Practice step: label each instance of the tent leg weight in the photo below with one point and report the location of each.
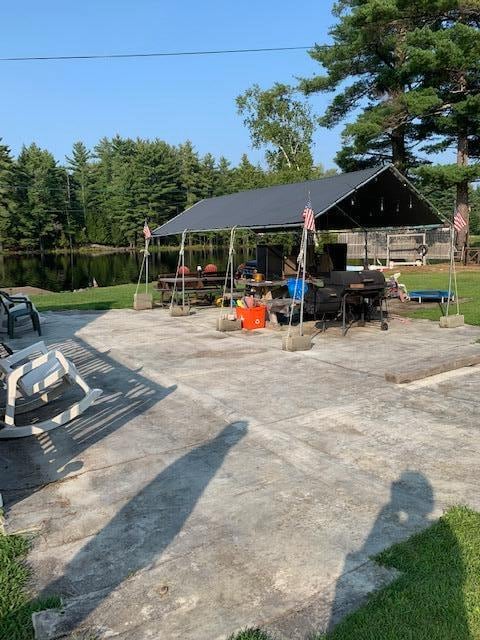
(297, 343)
(142, 301)
(177, 312)
(225, 324)
(452, 322)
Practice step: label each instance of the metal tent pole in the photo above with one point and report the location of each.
(147, 242)
(304, 261)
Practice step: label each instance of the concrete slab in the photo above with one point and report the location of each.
(221, 482)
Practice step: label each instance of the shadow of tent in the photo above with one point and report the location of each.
(141, 530)
(29, 463)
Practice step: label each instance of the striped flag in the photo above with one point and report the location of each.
(459, 221)
(146, 231)
(309, 217)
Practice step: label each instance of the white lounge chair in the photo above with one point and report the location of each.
(33, 377)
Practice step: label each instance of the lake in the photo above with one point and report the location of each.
(63, 272)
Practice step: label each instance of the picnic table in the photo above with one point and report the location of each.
(201, 287)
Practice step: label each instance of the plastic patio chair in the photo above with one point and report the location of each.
(16, 307)
(34, 377)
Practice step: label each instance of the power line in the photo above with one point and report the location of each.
(156, 54)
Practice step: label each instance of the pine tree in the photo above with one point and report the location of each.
(224, 177)
(445, 58)
(81, 192)
(99, 223)
(190, 171)
(159, 189)
(248, 176)
(7, 197)
(42, 197)
(368, 67)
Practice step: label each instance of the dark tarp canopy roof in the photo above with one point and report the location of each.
(374, 198)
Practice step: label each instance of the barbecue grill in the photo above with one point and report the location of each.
(353, 296)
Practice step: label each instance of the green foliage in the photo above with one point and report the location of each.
(251, 634)
(16, 608)
(407, 71)
(7, 196)
(42, 197)
(282, 124)
(103, 196)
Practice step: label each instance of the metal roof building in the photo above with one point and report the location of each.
(375, 198)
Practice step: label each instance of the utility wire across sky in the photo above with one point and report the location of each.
(159, 54)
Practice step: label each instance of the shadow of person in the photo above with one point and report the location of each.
(142, 529)
(407, 512)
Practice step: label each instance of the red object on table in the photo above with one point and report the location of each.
(210, 268)
(252, 318)
(184, 270)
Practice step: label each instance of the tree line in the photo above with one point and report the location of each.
(104, 195)
(403, 75)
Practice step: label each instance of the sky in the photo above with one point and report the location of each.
(175, 99)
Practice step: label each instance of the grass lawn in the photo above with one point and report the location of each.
(101, 298)
(121, 296)
(437, 278)
(436, 597)
(16, 606)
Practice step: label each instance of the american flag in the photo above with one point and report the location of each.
(146, 231)
(309, 217)
(459, 221)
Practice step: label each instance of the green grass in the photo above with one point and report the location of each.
(101, 298)
(436, 597)
(16, 606)
(468, 288)
(121, 296)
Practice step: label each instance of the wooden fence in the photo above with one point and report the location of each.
(402, 247)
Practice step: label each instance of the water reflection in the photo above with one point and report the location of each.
(61, 272)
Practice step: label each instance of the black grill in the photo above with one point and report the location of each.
(353, 296)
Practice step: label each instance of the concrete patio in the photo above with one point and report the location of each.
(221, 483)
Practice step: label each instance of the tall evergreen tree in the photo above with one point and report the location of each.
(7, 197)
(445, 58)
(208, 177)
(248, 176)
(224, 177)
(81, 193)
(190, 172)
(42, 197)
(99, 223)
(368, 67)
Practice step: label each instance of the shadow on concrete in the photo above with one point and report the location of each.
(27, 464)
(407, 513)
(141, 530)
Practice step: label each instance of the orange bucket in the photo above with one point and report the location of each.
(252, 318)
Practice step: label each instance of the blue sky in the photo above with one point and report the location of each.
(56, 103)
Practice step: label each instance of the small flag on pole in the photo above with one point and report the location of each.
(146, 231)
(459, 221)
(309, 217)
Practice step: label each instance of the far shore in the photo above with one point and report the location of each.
(102, 249)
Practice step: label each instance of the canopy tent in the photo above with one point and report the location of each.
(379, 197)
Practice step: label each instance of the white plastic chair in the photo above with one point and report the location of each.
(33, 377)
